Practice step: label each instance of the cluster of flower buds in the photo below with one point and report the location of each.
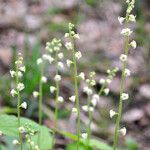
(17, 74)
(29, 132)
(108, 80)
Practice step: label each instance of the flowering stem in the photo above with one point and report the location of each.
(121, 90)
(90, 121)
(56, 98)
(18, 106)
(101, 90)
(76, 88)
(41, 95)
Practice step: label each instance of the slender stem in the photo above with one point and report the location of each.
(56, 99)
(90, 121)
(76, 88)
(40, 95)
(18, 106)
(101, 90)
(121, 90)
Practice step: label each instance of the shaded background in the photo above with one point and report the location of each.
(26, 25)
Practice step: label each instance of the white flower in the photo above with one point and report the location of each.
(85, 108)
(68, 45)
(52, 89)
(133, 44)
(36, 147)
(24, 105)
(78, 55)
(106, 91)
(82, 76)
(35, 94)
(124, 96)
(23, 68)
(126, 32)
(112, 113)
(60, 65)
(22, 129)
(60, 55)
(66, 35)
(87, 90)
(127, 1)
(123, 57)
(94, 100)
(102, 81)
(44, 79)
(12, 73)
(20, 86)
(39, 61)
(132, 18)
(60, 99)
(127, 72)
(123, 131)
(84, 135)
(57, 77)
(68, 62)
(76, 36)
(15, 142)
(1, 133)
(121, 20)
(20, 74)
(48, 58)
(13, 92)
(72, 98)
(108, 81)
(74, 110)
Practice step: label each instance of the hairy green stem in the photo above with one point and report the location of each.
(76, 88)
(18, 106)
(121, 90)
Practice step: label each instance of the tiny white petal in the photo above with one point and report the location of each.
(123, 131)
(127, 72)
(112, 113)
(22, 129)
(20, 86)
(68, 62)
(15, 142)
(121, 20)
(106, 91)
(57, 77)
(82, 76)
(60, 55)
(23, 68)
(102, 81)
(87, 90)
(123, 57)
(74, 110)
(52, 89)
(60, 99)
(84, 135)
(44, 79)
(124, 96)
(24, 105)
(132, 18)
(13, 92)
(72, 98)
(126, 32)
(39, 61)
(68, 45)
(133, 44)
(35, 94)
(78, 55)
(12, 73)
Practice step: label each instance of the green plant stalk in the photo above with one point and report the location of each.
(90, 121)
(56, 100)
(76, 88)
(40, 95)
(121, 90)
(18, 106)
(101, 90)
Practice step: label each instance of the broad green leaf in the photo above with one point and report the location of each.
(99, 145)
(9, 127)
(73, 146)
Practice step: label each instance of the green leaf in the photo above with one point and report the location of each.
(99, 145)
(73, 146)
(9, 127)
